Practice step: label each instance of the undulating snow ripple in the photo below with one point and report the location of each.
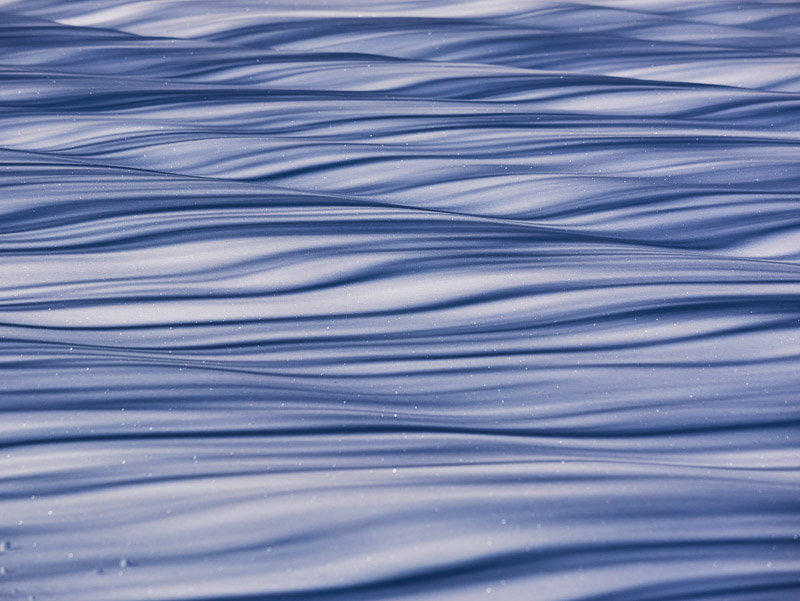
(385, 300)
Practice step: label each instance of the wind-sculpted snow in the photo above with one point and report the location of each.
(399, 300)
